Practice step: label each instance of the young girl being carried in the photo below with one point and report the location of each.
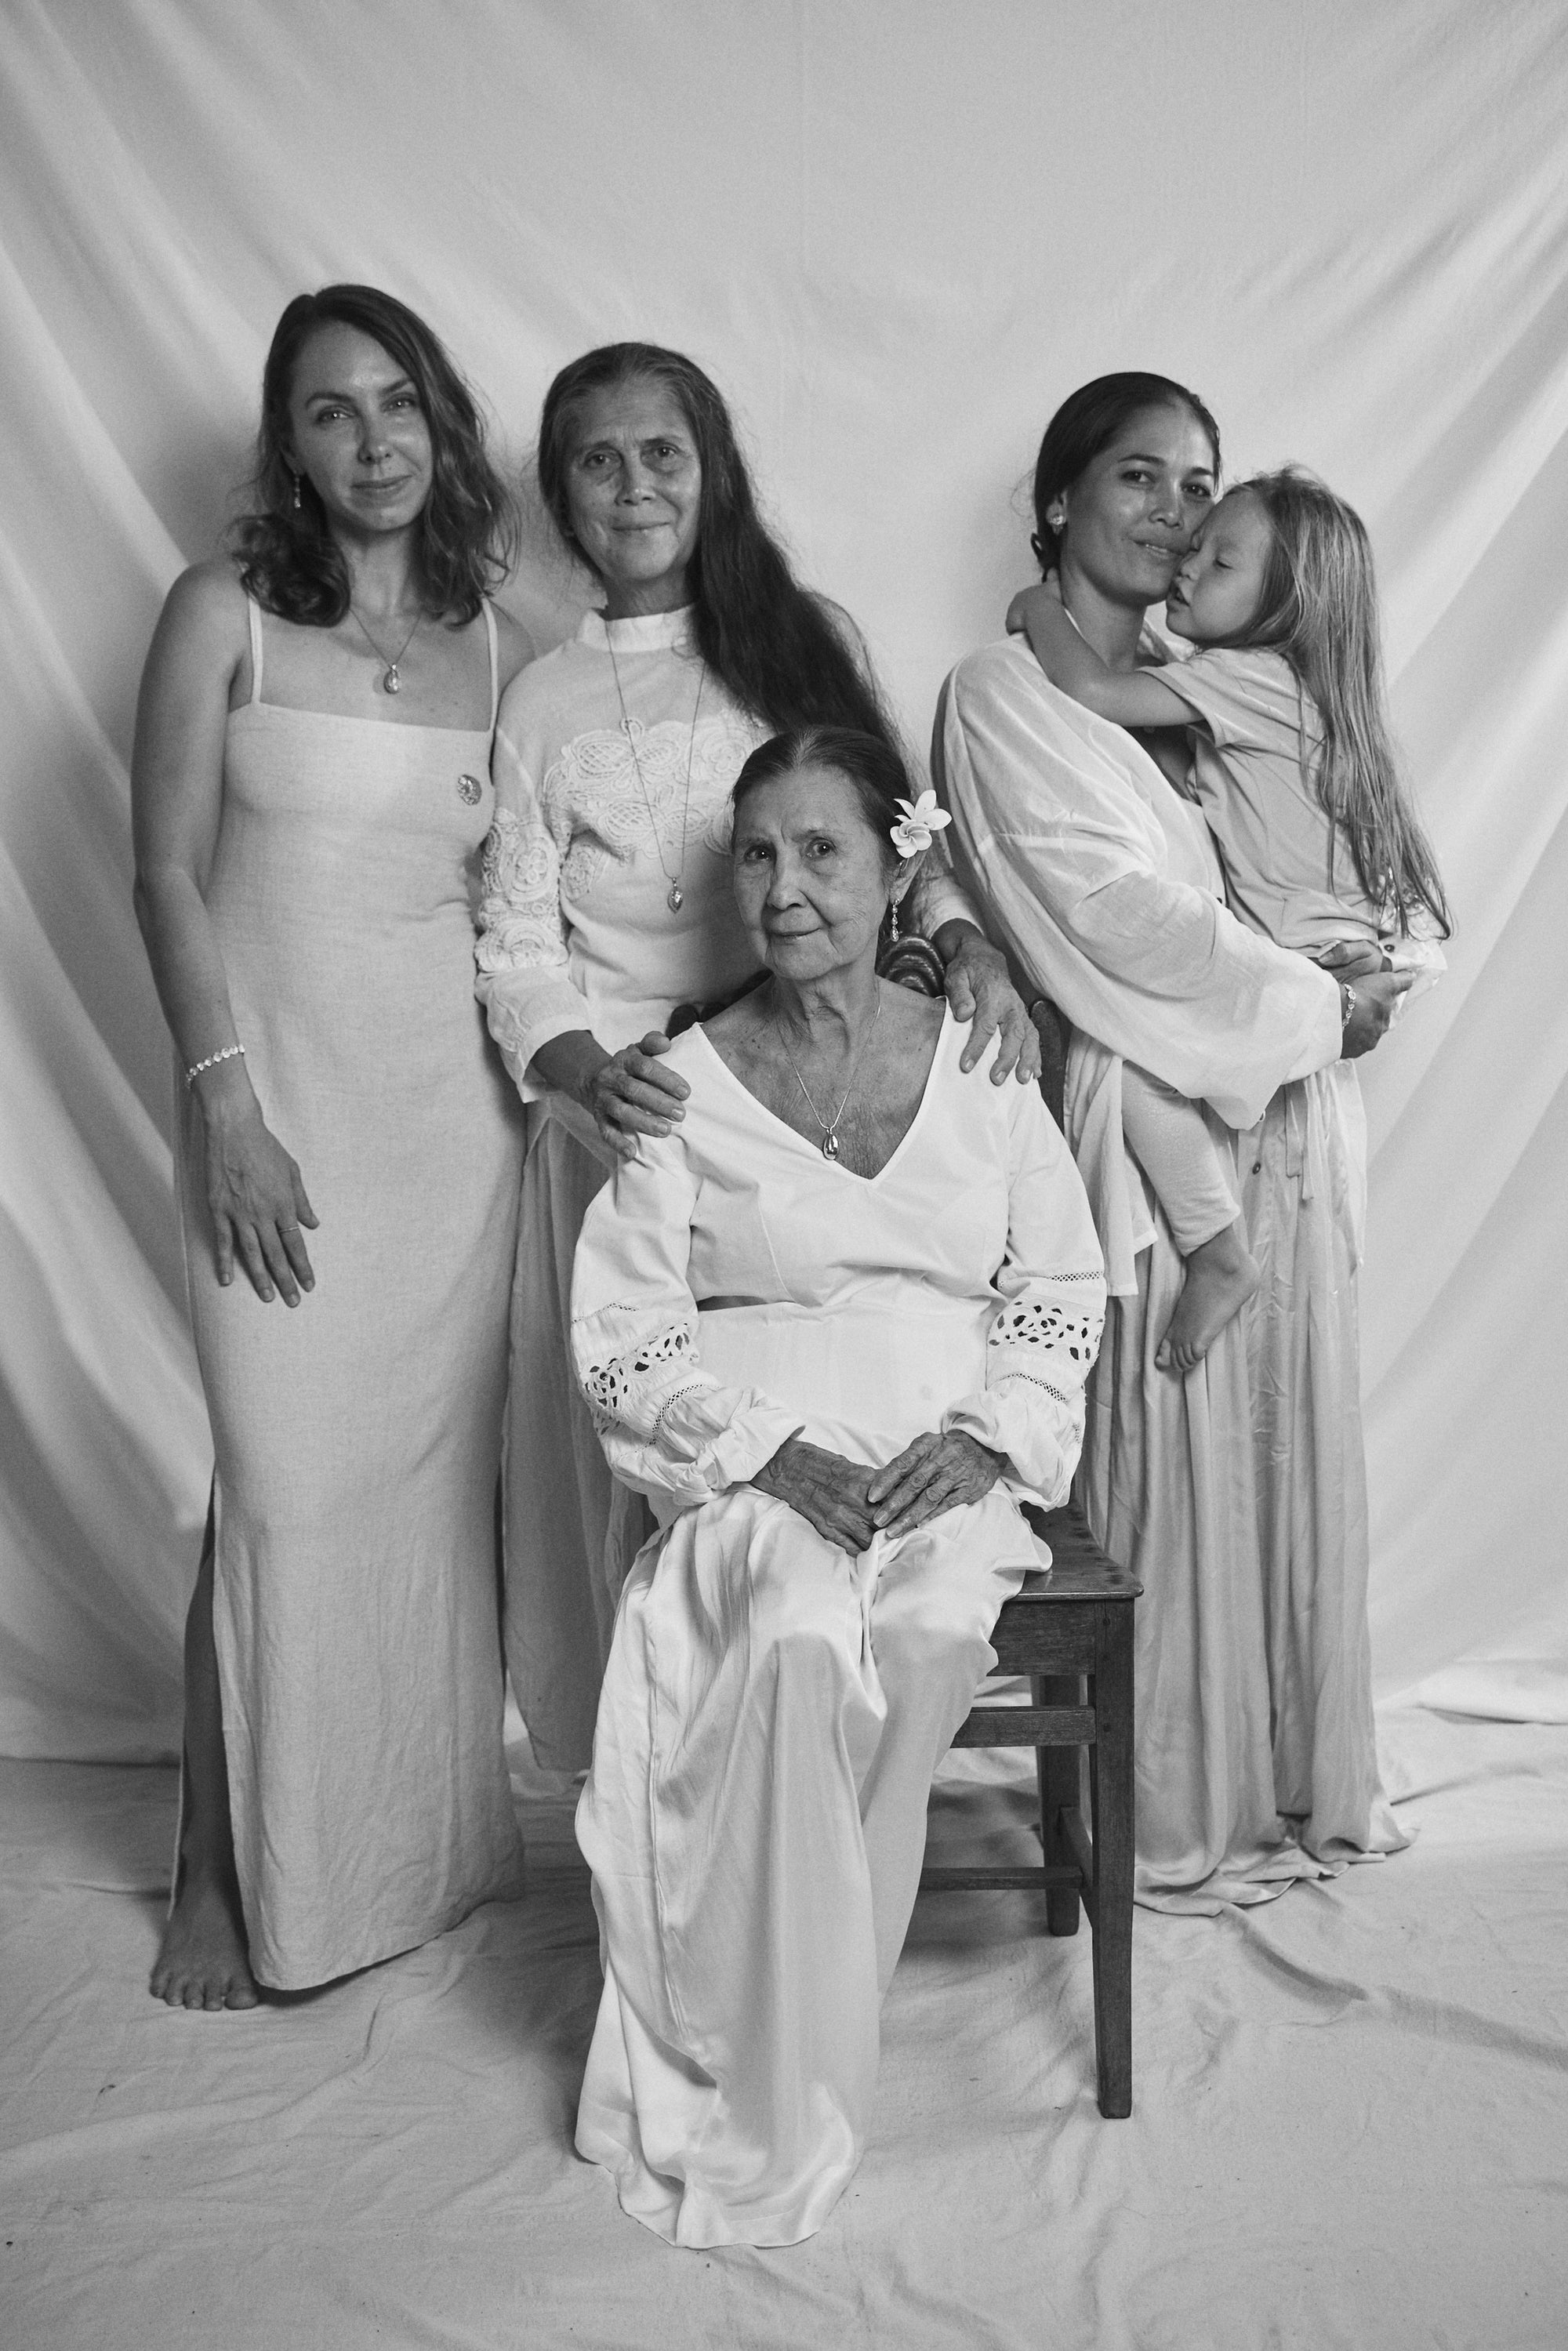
(1292, 766)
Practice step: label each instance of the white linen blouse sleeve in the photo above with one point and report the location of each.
(667, 1427)
(1051, 1308)
(1157, 969)
(524, 982)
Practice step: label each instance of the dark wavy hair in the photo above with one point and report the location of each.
(868, 763)
(1088, 422)
(290, 561)
(774, 644)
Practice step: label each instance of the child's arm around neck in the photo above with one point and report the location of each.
(1127, 697)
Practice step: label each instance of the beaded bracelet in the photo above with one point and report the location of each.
(194, 1071)
(1346, 1004)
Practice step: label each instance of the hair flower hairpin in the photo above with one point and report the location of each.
(914, 828)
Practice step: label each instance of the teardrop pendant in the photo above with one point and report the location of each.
(676, 899)
(829, 1145)
(391, 681)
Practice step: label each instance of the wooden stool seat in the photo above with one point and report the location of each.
(1070, 1631)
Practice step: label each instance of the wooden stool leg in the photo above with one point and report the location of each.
(1110, 1801)
(1060, 1785)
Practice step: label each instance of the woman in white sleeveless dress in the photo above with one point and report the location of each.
(312, 791)
(608, 903)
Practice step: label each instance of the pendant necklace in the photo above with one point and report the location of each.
(829, 1133)
(676, 897)
(391, 682)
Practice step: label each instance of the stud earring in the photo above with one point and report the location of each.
(298, 501)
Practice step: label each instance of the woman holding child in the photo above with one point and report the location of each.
(1223, 1459)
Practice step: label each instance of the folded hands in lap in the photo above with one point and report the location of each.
(849, 1504)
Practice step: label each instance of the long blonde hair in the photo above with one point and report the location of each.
(1319, 610)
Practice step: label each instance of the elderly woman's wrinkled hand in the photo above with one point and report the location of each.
(630, 1094)
(828, 1492)
(979, 990)
(931, 1475)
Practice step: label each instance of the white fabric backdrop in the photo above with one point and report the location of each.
(898, 232)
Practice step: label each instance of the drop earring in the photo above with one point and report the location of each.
(892, 921)
(298, 501)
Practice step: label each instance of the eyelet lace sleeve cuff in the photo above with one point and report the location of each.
(666, 1427)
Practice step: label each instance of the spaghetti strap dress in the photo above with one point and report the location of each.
(356, 1439)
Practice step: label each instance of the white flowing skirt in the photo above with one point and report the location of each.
(755, 1820)
(1239, 1495)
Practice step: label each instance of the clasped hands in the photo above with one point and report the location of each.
(1379, 992)
(849, 1505)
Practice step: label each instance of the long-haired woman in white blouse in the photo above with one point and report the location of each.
(608, 903)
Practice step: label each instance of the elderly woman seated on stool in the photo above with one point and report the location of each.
(835, 1324)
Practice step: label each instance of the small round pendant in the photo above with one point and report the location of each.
(676, 899)
(391, 681)
(829, 1147)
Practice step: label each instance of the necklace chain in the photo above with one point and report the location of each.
(390, 683)
(676, 896)
(830, 1129)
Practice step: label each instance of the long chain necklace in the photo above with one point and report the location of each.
(676, 898)
(390, 683)
(830, 1129)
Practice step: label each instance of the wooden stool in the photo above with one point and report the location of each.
(1071, 1633)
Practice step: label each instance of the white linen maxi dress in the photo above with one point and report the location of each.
(1238, 1494)
(773, 1709)
(358, 1438)
(593, 815)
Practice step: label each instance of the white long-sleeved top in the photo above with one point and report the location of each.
(1104, 883)
(733, 1288)
(593, 821)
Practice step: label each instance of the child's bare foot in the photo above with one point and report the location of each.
(203, 1961)
(1221, 1276)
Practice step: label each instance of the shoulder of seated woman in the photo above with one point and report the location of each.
(910, 1012)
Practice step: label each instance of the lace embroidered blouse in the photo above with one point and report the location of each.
(576, 928)
(733, 1288)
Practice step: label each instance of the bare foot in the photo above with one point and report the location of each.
(203, 1961)
(1221, 1276)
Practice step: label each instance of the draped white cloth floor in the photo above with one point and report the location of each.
(1350, 2129)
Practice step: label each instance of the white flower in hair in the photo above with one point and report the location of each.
(914, 828)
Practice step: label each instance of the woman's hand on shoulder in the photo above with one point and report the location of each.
(932, 1474)
(631, 1093)
(828, 1492)
(979, 990)
(254, 1193)
(1377, 1000)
